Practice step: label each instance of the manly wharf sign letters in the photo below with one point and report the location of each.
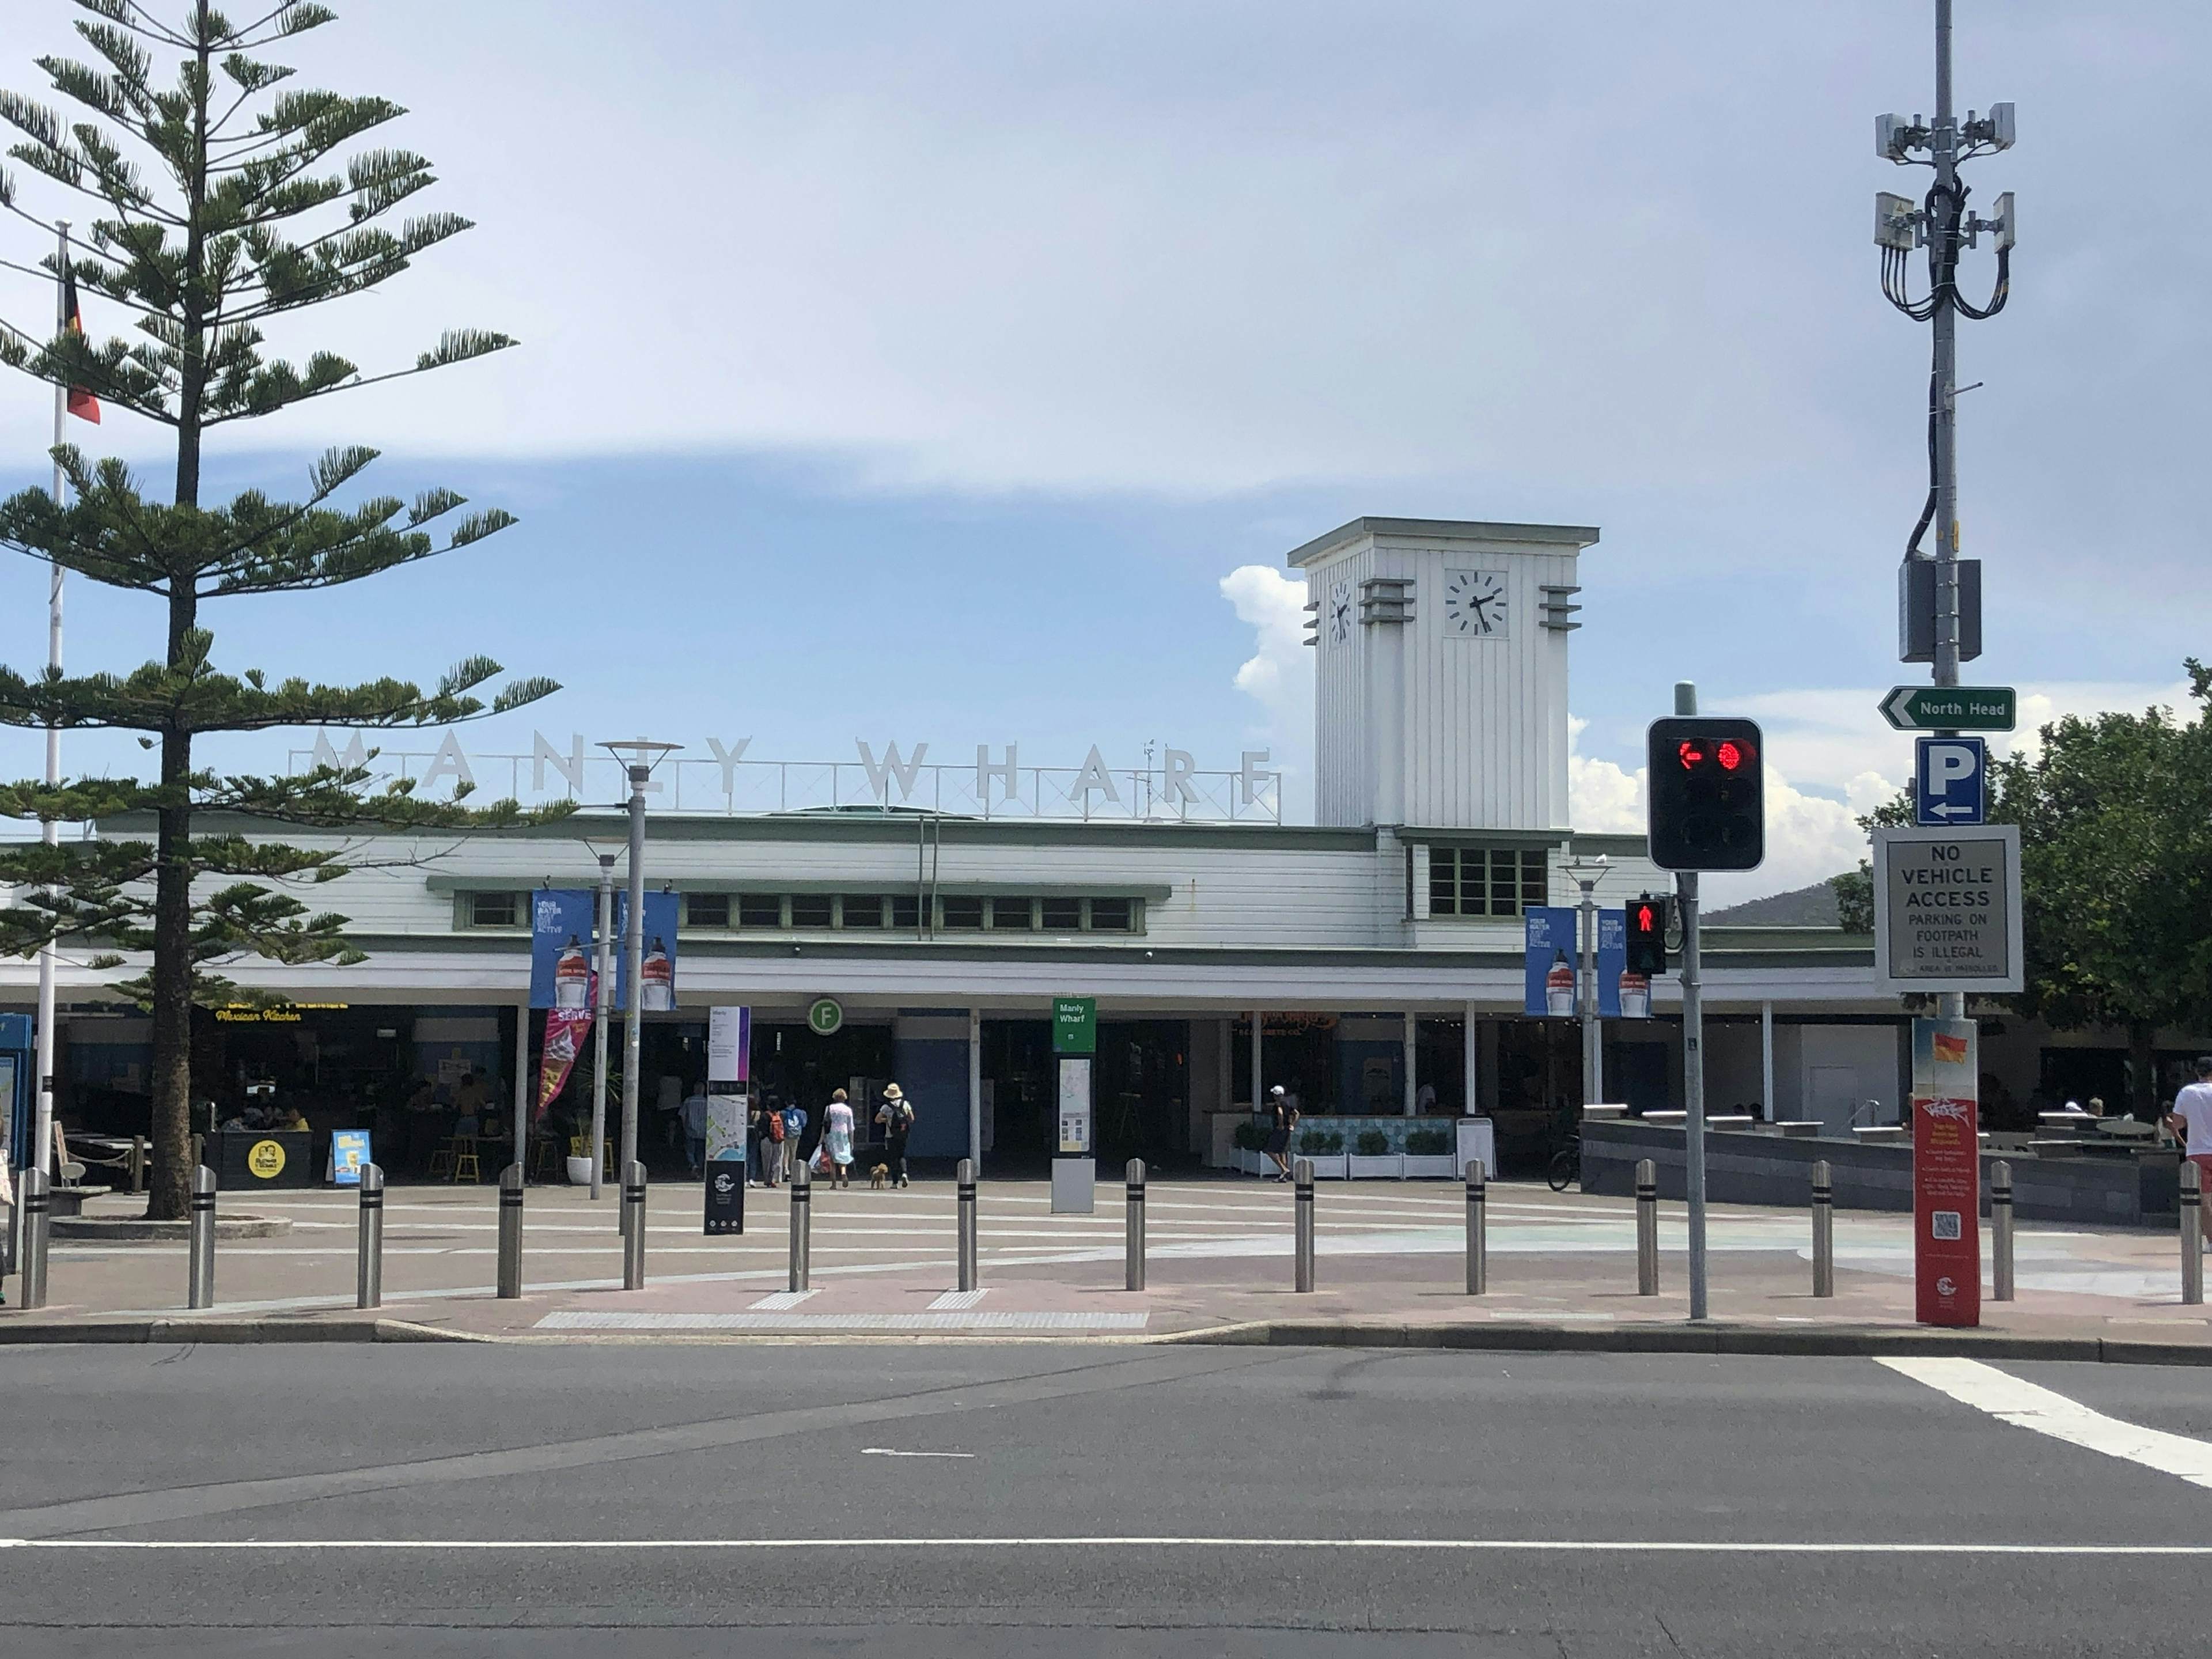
(1947, 910)
(721, 777)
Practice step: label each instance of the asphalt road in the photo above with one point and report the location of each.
(854, 1499)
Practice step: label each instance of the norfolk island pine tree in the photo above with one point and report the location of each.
(222, 201)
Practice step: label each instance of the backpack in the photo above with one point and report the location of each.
(776, 1125)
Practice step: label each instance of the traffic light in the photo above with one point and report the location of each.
(1708, 793)
(1647, 936)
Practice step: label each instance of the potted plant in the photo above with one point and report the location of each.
(1371, 1157)
(1249, 1141)
(1324, 1150)
(1430, 1154)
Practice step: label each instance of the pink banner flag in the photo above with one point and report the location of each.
(565, 1030)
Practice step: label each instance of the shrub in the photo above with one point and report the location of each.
(1427, 1142)
(1315, 1140)
(1248, 1138)
(1373, 1143)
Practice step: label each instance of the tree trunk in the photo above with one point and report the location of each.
(171, 1186)
(169, 1189)
(2143, 1073)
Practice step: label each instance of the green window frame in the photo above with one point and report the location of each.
(1487, 882)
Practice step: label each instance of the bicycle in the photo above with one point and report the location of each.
(1566, 1166)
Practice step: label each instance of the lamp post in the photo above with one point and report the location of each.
(603, 1000)
(639, 756)
(1587, 875)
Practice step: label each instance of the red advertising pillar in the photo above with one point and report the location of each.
(1947, 1174)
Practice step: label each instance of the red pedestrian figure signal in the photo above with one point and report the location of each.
(1708, 809)
(1647, 936)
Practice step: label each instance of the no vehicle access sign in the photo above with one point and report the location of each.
(1947, 910)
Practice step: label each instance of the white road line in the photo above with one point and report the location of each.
(951, 1301)
(2026, 1405)
(1441, 1546)
(885, 1451)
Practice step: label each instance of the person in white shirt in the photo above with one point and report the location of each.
(2191, 1120)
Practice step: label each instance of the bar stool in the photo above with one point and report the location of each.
(463, 1165)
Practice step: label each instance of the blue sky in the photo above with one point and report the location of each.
(924, 371)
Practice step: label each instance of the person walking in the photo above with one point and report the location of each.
(756, 1141)
(693, 1113)
(772, 1143)
(896, 1115)
(794, 1125)
(2192, 1119)
(1282, 1118)
(837, 1139)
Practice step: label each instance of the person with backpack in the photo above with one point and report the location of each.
(896, 1115)
(775, 1160)
(794, 1125)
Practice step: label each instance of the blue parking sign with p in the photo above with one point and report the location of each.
(1950, 781)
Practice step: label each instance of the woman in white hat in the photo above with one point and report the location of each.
(896, 1115)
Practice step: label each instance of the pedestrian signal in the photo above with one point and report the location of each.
(1647, 936)
(1708, 793)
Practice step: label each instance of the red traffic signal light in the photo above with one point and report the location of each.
(1707, 787)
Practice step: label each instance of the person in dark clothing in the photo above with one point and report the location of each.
(896, 1115)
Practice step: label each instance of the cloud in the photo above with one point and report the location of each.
(1278, 675)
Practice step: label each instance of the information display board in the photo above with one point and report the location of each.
(1946, 1173)
(1947, 910)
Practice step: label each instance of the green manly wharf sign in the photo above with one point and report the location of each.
(825, 1017)
(1075, 1025)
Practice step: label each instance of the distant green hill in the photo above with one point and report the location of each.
(1804, 907)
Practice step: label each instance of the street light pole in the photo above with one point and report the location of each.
(604, 1000)
(639, 756)
(1587, 876)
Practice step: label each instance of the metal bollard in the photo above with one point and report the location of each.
(802, 1226)
(2001, 1231)
(199, 1290)
(1824, 1229)
(1133, 1226)
(1647, 1228)
(2193, 1233)
(138, 1163)
(633, 1225)
(1478, 1228)
(38, 1221)
(1301, 1192)
(510, 1231)
(368, 1275)
(965, 1176)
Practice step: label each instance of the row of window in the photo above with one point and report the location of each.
(863, 912)
(1485, 881)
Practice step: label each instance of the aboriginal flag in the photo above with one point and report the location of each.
(81, 402)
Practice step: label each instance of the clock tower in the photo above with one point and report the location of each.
(1441, 691)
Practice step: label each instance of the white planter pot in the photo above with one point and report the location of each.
(1429, 1166)
(1255, 1163)
(1391, 1166)
(580, 1172)
(1327, 1166)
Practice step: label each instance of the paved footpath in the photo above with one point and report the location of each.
(1390, 1268)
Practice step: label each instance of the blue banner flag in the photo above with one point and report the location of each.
(1550, 946)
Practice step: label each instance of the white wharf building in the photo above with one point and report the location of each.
(1371, 962)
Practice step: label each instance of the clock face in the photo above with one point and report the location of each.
(1474, 604)
(1339, 612)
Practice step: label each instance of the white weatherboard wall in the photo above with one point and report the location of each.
(1473, 734)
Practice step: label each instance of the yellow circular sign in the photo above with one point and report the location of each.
(265, 1159)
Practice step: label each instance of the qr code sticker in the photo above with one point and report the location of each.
(1944, 1225)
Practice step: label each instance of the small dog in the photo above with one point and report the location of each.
(879, 1177)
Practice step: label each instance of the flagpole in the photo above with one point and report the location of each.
(42, 1128)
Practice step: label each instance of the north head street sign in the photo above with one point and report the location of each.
(1947, 910)
(1952, 708)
